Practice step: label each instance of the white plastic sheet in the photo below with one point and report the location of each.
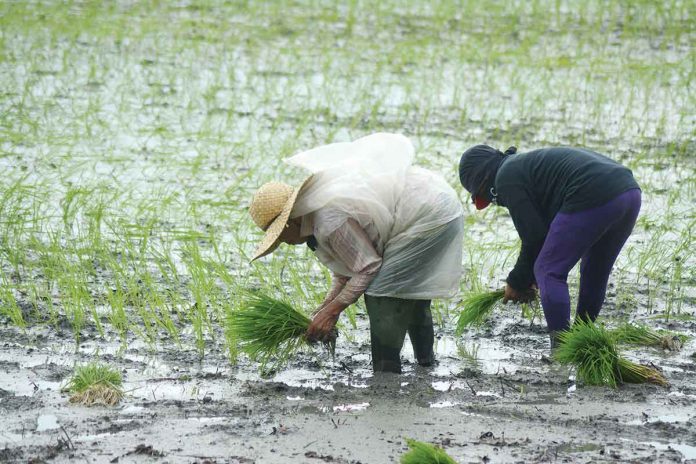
(411, 215)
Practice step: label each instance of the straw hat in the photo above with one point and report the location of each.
(270, 209)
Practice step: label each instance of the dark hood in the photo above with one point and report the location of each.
(478, 167)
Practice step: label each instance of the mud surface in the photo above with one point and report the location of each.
(509, 405)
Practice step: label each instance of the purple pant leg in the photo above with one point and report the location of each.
(596, 235)
(597, 263)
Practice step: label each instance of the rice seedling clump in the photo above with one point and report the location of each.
(642, 335)
(268, 329)
(593, 351)
(425, 453)
(95, 384)
(477, 306)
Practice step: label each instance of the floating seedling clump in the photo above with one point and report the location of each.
(642, 335)
(476, 308)
(593, 351)
(95, 384)
(268, 330)
(425, 453)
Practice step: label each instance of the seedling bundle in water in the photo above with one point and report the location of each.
(425, 453)
(593, 351)
(268, 329)
(642, 335)
(95, 384)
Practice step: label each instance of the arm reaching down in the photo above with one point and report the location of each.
(351, 245)
(338, 282)
(532, 231)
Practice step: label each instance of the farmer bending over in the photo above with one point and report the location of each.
(385, 229)
(567, 204)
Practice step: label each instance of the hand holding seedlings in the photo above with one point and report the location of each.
(519, 296)
(323, 326)
(477, 306)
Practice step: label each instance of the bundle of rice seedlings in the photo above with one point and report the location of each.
(638, 373)
(95, 384)
(477, 307)
(593, 351)
(635, 334)
(268, 329)
(425, 453)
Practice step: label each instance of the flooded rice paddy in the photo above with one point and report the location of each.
(133, 134)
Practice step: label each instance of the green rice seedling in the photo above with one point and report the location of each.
(469, 355)
(95, 384)
(593, 351)
(202, 288)
(268, 329)
(532, 311)
(8, 302)
(425, 453)
(477, 307)
(638, 334)
(118, 318)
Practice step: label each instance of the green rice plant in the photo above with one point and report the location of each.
(593, 351)
(8, 302)
(469, 355)
(267, 329)
(95, 384)
(642, 335)
(202, 288)
(118, 318)
(425, 453)
(532, 311)
(477, 307)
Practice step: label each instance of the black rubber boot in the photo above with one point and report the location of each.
(422, 334)
(390, 319)
(388, 326)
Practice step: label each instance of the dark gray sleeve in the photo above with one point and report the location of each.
(532, 230)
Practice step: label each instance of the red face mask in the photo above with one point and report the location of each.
(480, 202)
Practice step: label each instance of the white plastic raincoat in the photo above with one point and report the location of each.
(411, 215)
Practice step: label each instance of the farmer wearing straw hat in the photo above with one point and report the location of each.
(385, 228)
(568, 205)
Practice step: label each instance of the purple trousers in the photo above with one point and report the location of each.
(594, 236)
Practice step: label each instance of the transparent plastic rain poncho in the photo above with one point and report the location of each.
(411, 215)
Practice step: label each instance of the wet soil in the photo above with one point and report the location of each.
(510, 404)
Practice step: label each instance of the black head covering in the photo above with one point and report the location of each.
(478, 167)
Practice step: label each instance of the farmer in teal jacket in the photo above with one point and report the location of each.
(568, 205)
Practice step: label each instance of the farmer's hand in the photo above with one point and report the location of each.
(518, 297)
(322, 328)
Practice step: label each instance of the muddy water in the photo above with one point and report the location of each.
(507, 405)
